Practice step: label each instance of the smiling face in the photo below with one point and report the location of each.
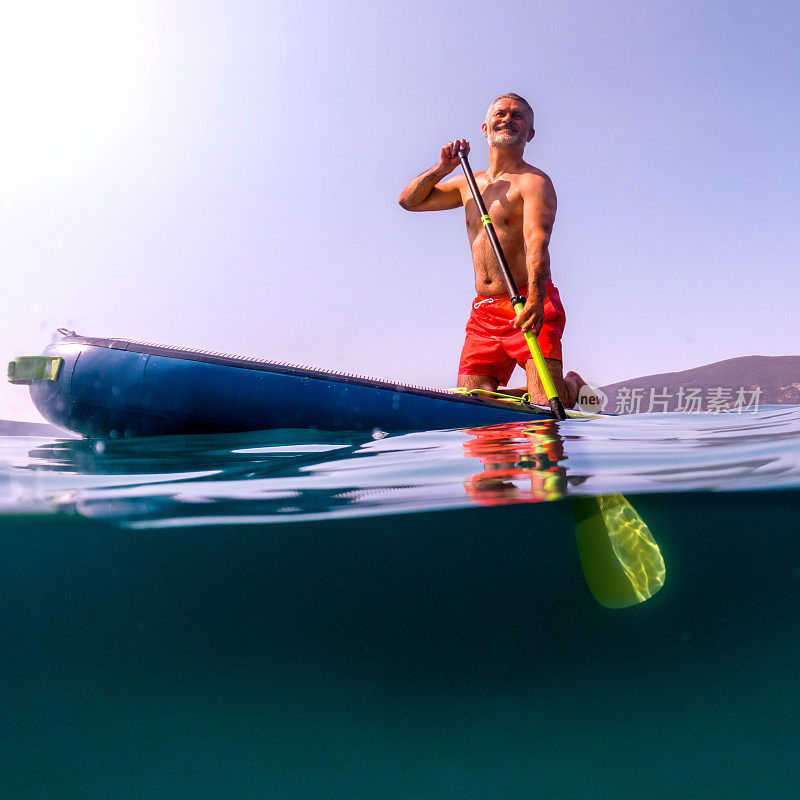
(509, 123)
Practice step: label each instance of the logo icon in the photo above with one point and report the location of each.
(591, 399)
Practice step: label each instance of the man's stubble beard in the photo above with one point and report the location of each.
(506, 139)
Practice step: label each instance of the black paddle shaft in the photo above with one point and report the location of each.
(511, 287)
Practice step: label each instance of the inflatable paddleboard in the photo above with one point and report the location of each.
(118, 387)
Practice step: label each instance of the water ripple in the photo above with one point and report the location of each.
(299, 475)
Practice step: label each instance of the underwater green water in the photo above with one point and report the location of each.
(297, 615)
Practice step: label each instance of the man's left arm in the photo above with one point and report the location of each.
(538, 216)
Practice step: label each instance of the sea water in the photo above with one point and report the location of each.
(296, 614)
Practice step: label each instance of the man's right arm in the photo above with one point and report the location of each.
(424, 194)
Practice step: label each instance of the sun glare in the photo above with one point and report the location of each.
(71, 76)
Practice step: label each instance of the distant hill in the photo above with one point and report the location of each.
(736, 383)
(11, 428)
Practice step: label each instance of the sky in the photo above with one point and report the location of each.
(224, 175)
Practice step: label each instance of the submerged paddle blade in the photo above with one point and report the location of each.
(621, 560)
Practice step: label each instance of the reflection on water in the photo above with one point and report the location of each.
(519, 463)
(271, 476)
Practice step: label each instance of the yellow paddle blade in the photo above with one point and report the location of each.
(621, 560)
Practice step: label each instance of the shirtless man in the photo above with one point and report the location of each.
(521, 201)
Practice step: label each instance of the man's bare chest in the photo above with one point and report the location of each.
(505, 206)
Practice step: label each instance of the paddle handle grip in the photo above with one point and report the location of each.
(556, 406)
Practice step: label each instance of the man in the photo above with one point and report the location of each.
(521, 202)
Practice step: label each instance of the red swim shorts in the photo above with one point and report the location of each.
(493, 345)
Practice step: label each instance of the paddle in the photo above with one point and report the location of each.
(620, 559)
(556, 405)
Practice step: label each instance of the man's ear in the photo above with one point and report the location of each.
(485, 130)
(531, 135)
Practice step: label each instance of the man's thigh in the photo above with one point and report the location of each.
(485, 382)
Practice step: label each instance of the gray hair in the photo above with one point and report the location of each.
(518, 98)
